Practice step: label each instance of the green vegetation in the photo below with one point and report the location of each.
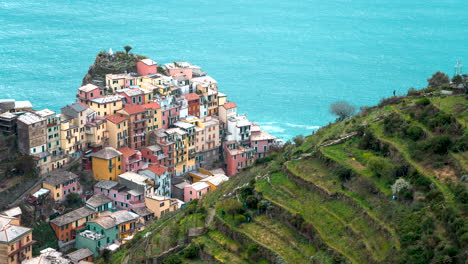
(44, 236)
(387, 185)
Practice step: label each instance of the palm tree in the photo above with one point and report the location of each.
(127, 49)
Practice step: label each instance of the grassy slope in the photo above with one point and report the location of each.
(406, 227)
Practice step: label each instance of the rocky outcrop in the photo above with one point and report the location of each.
(106, 63)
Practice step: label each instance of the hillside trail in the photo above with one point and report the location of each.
(210, 217)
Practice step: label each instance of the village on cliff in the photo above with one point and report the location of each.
(152, 140)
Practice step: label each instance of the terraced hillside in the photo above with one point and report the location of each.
(388, 185)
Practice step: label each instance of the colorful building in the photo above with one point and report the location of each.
(154, 155)
(146, 67)
(68, 225)
(120, 195)
(154, 117)
(32, 139)
(62, 183)
(161, 178)
(107, 164)
(131, 160)
(193, 101)
(117, 127)
(99, 203)
(135, 95)
(161, 205)
(15, 241)
(88, 92)
(261, 141)
(72, 128)
(195, 191)
(106, 105)
(136, 114)
(237, 157)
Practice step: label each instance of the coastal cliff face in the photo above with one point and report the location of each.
(388, 185)
(105, 63)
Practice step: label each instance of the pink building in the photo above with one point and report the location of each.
(195, 191)
(237, 157)
(146, 67)
(121, 196)
(131, 160)
(88, 92)
(170, 115)
(260, 141)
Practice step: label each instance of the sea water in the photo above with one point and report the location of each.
(282, 62)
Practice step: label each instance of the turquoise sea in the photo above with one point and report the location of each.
(282, 62)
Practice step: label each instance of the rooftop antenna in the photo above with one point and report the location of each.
(458, 67)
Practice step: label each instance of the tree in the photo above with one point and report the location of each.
(127, 49)
(231, 206)
(342, 109)
(400, 185)
(438, 79)
(457, 79)
(25, 165)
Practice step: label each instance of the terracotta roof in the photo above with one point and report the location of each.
(192, 97)
(134, 109)
(152, 105)
(158, 170)
(106, 153)
(115, 118)
(230, 105)
(127, 152)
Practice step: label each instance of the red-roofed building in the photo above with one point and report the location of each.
(131, 160)
(117, 125)
(193, 104)
(136, 115)
(161, 177)
(225, 112)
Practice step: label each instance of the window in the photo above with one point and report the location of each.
(161, 204)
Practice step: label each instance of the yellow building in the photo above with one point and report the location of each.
(161, 205)
(15, 241)
(181, 161)
(96, 133)
(107, 164)
(117, 127)
(72, 128)
(154, 117)
(116, 82)
(62, 183)
(107, 105)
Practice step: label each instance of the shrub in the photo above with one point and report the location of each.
(252, 249)
(423, 101)
(239, 219)
(172, 259)
(400, 185)
(191, 252)
(414, 132)
(298, 140)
